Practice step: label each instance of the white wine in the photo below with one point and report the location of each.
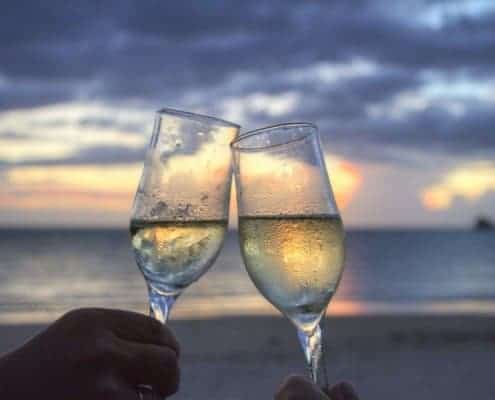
(295, 261)
(174, 254)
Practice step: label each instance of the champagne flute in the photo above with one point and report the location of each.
(180, 211)
(290, 231)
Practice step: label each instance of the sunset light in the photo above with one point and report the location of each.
(75, 188)
(274, 178)
(111, 188)
(469, 182)
(345, 178)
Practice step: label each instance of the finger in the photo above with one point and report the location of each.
(148, 364)
(146, 392)
(140, 328)
(343, 391)
(126, 393)
(296, 387)
(112, 389)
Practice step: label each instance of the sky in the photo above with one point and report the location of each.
(403, 94)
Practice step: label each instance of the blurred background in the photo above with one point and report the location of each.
(403, 94)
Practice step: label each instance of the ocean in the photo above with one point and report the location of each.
(45, 272)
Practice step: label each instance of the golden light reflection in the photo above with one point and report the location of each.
(266, 170)
(94, 178)
(86, 187)
(111, 188)
(16, 150)
(469, 182)
(66, 200)
(346, 179)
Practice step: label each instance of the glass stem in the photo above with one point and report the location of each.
(311, 343)
(160, 304)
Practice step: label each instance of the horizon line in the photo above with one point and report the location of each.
(352, 227)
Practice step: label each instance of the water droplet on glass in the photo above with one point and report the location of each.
(159, 209)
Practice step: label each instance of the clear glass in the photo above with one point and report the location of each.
(290, 231)
(180, 211)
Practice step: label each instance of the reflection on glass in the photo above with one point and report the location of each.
(290, 231)
(181, 206)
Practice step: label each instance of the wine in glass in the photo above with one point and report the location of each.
(290, 231)
(180, 211)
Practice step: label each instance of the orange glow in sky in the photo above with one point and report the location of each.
(346, 180)
(111, 188)
(82, 187)
(469, 182)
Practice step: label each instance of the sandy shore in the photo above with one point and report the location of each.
(387, 357)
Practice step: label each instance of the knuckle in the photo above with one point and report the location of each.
(81, 318)
(79, 313)
(72, 317)
(169, 339)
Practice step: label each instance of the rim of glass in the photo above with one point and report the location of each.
(235, 144)
(197, 117)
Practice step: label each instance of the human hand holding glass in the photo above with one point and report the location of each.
(180, 211)
(290, 231)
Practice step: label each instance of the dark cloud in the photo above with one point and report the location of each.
(347, 102)
(16, 136)
(432, 129)
(133, 128)
(158, 52)
(90, 155)
(202, 39)
(19, 94)
(106, 155)
(25, 21)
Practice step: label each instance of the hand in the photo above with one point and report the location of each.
(93, 354)
(296, 387)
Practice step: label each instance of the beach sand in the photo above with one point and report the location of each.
(387, 357)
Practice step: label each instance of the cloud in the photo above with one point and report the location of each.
(469, 182)
(260, 104)
(99, 155)
(74, 133)
(372, 75)
(91, 188)
(18, 93)
(78, 120)
(202, 42)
